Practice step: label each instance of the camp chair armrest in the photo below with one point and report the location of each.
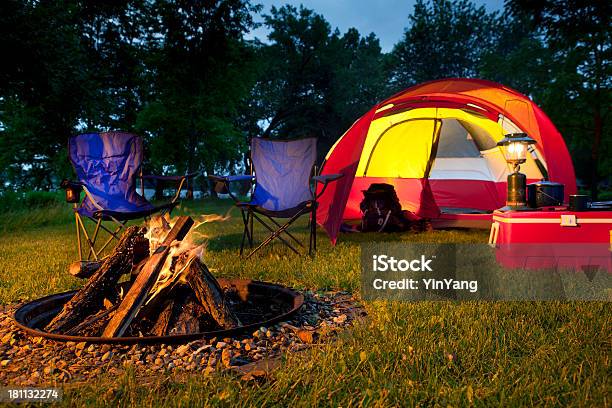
(226, 180)
(230, 179)
(325, 179)
(169, 178)
(180, 180)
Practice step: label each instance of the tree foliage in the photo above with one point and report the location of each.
(444, 39)
(314, 81)
(183, 74)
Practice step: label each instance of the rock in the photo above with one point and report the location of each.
(221, 345)
(254, 375)
(183, 349)
(80, 346)
(226, 357)
(206, 347)
(238, 361)
(107, 356)
(288, 326)
(308, 336)
(340, 319)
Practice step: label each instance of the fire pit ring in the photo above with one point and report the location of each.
(33, 315)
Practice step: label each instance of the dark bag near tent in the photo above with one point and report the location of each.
(381, 210)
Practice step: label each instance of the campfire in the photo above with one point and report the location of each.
(170, 290)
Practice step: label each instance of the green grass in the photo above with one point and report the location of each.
(504, 353)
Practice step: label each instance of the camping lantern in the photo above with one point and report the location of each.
(515, 151)
(73, 191)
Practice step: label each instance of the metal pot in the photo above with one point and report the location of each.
(545, 194)
(579, 202)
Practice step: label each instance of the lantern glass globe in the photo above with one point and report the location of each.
(515, 146)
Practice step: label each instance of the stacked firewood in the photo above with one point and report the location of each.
(169, 291)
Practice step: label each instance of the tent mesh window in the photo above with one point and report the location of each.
(456, 140)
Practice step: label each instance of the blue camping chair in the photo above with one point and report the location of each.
(107, 166)
(282, 173)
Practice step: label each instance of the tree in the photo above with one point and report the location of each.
(445, 38)
(73, 66)
(313, 82)
(578, 37)
(197, 63)
(43, 87)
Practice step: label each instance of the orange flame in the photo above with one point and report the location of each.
(157, 230)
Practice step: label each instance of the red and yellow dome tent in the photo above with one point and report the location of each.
(436, 144)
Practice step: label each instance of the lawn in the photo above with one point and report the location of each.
(424, 353)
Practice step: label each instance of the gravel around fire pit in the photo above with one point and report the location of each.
(26, 360)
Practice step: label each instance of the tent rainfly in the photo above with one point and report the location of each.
(436, 144)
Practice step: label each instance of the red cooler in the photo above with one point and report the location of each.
(553, 238)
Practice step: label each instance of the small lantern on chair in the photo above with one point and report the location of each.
(73, 191)
(515, 152)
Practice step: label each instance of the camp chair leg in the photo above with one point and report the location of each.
(91, 242)
(286, 232)
(251, 236)
(113, 233)
(78, 233)
(276, 234)
(95, 235)
(245, 232)
(313, 231)
(109, 240)
(87, 239)
(279, 230)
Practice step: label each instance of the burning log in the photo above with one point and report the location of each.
(169, 292)
(84, 269)
(181, 314)
(93, 325)
(188, 319)
(145, 280)
(189, 270)
(162, 324)
(210, 295)
(89, 300)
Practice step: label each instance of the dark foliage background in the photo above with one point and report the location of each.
(182, 74)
